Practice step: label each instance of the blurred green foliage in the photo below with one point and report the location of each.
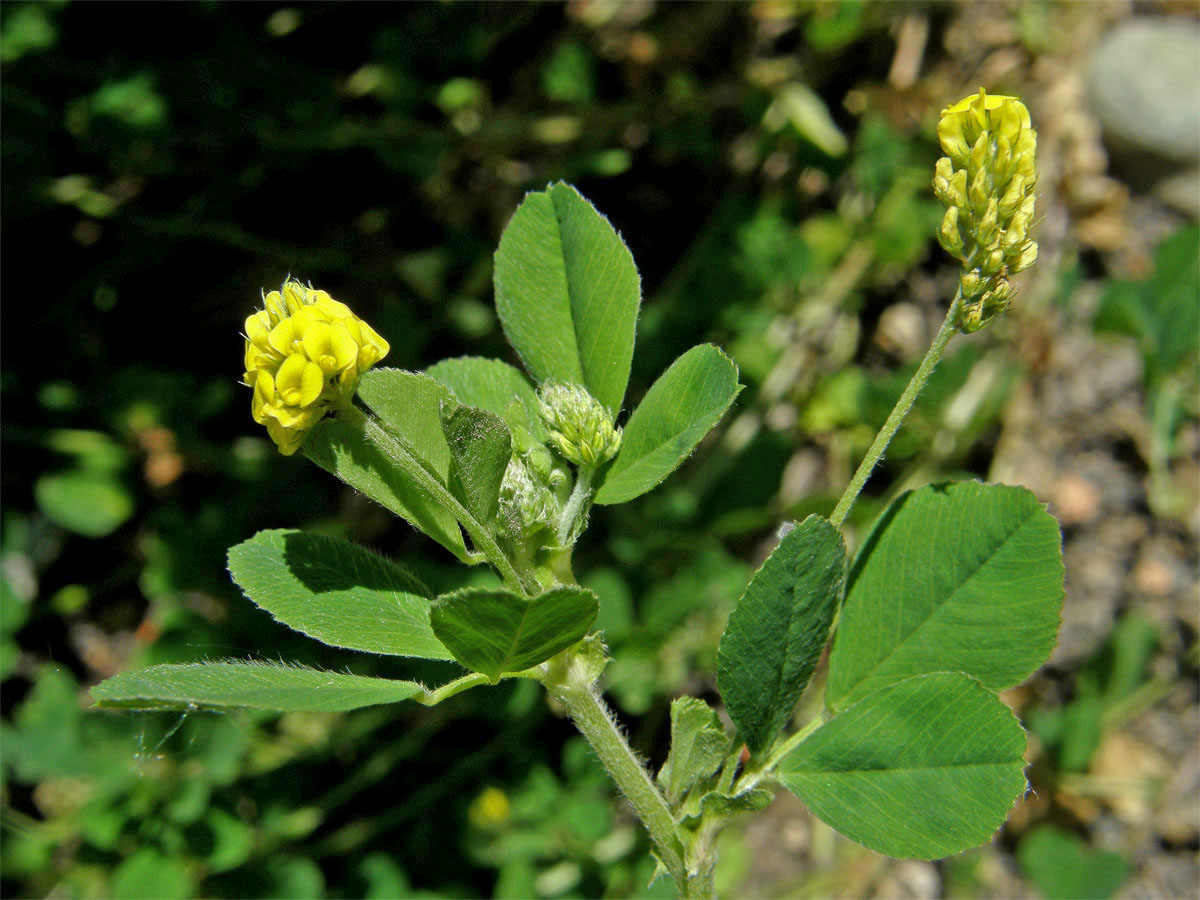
(162, 162)
(1104, 690)
(1162, 314)
(1064, 869)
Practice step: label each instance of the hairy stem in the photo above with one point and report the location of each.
(949, 328)
(400, 451)
(458, 685)
(576, 506)
(594, 720)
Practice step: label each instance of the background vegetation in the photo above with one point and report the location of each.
(769, 165)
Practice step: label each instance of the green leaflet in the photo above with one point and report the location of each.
(680, 408)
(344, 450)
(568, 293)
(480, 448)
(1064, 868)
(961, 577)
(698, 744)
(922, 769)
(337, 593)
(229, 685)
(492, 385)
(410, 404)
(407, 404)
(778, 630)
(493, 630)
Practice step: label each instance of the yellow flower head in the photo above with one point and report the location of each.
(986, 181)
(304, 354)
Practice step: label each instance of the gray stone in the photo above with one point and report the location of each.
(1144, 81)
(1181, 192)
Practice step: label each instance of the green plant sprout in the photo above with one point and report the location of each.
(954, 595)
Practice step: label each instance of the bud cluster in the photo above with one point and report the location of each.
(305, 352)
(528, 503)
(580, 428)
(986, 181)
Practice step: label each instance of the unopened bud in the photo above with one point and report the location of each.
(526, 503)
(580, 428)
(948, 234)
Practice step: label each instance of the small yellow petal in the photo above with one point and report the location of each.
(289, 381)
(311, 384)
(345, 348)
(330, 307)
(373, 338)
(287, 439)
(258, 328)
(282, 337)
(295, 296)
(275, 307)
(318, 346)
(264, 396)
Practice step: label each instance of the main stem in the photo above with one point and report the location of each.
(949, 328)
(595, 722)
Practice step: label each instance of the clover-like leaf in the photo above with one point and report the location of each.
(493, 630)
(252, 685)
(568, 293)
(680, 408)
(922, 769)
(962, 577)
(337, 592)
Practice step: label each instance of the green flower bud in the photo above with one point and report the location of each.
(1011, 201)
(993, 263)
(987, 231)
(973, 284)
(580, 428)
(526, 502)
(990, 305)
(979, 192)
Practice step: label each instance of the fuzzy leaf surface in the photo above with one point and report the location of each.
(961, 577)
(776, 634)
(698, 744)
(493, 630)
(337, 592)
(232, 685)
(492, 385)
(568, 293)
(411, 404)
(922, 769)
(345, 451)
(680, 408)
(480, 448)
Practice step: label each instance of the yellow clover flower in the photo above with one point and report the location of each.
(305, 352)
(986, 181)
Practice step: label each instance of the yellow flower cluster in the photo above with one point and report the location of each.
(304, 354)
(986, 181)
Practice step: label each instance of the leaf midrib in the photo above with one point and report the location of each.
(938, 608)
(866, 771)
